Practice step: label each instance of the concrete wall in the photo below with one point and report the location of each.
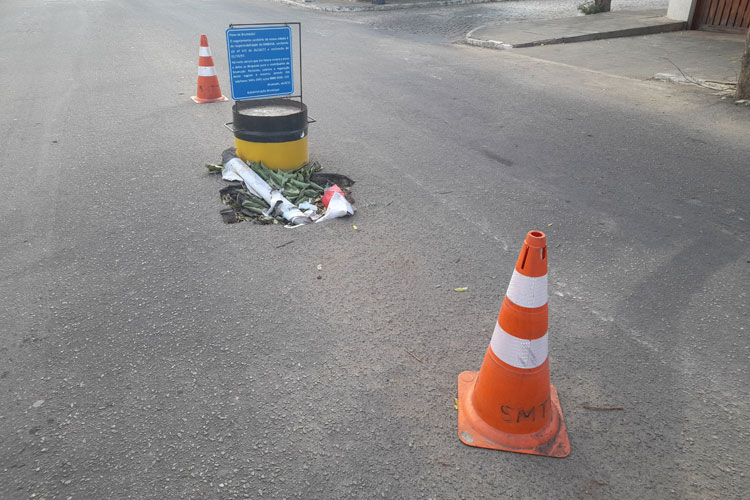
(681, 10)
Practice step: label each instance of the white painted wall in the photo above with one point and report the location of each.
(681, 10)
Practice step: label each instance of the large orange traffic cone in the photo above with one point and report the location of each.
(208, 82)
(509, 404)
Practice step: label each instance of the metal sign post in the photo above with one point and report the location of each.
(269, 125)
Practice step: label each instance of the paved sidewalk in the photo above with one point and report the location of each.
(614, 44)
(699, 57)
(500, 35)
(370, 5)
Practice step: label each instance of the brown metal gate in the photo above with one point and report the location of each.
(722, 15)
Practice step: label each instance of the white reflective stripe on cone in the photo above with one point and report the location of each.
(520, 353)
(204, 52)
(527, 292)
(206, 71)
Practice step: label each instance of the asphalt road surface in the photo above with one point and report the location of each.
(149, 351)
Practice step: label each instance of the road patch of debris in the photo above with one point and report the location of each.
(308, 189)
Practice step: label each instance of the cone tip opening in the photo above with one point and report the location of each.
(536, 239)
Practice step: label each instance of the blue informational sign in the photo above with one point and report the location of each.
(260, 62)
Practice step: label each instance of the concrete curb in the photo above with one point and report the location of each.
(640, 30)
(722, 87)
(365, 8)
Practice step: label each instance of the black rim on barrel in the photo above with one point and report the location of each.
(270, 128)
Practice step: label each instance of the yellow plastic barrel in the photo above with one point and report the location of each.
(272, 131)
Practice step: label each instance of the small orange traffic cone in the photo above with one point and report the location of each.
(208, 82)
(510, 404)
